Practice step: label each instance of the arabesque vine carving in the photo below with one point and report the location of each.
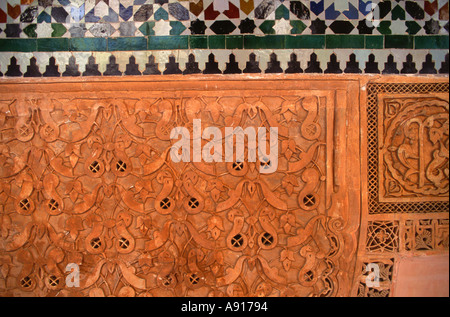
(88, 180)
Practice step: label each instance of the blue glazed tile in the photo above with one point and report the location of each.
(91, 17)
(178, 11)
(125, 13)
(64, 2)
(331, 13)
(352, 13)
(44, 17)
(77, 13)
(161, 14)
(317, 7)
(112, 16)
(365, 7)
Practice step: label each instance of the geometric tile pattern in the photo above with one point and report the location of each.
(319, 36)
(104, 18)
(163, 62)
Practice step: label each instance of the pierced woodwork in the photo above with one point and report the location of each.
(87, 181)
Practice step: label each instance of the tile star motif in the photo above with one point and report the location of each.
(44, 30)
(162, 27)
(282, 27)
(398, 27)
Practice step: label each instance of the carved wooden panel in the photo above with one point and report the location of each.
(406, 213)
(86, 178)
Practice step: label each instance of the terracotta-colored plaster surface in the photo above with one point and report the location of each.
(425, 276)
(93, 204)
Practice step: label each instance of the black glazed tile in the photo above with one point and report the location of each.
(428, 67)
(247, 26)
(273, 66)
(13, 68)
(12, 30)
(211, 66)
(352, 66)
(223, 27)
(71, 68)
(313, 65)
(333, 66)
(252, 66)
(59, 14)
(232, 67)
(92, 68)
(300, 10)
(409, 67)
(444, 66)
(318, 26)
(132, 68)
(385, 8)
(191, 66)
(364, 28)
(172, 67)
(293, 65)
(32, 69)
(51, 70)
(414, 10)
(432, 27)
(197, 27)
(390, 67)
(112, 68)
(371, 66)
(151, 68)
(341, 27)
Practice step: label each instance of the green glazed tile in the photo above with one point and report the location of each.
(267, 27)
(374, 41)
(216, 41)
(297, 27)
(398, 41)
(174, 42)
(147, 28)
(58, 30)
(176, 28)
(305, 41)
(282, 13)
(30, 30)
(431, 42)
(384, 27)
(88, 44)
(127, 44)
(53, 45)
(161, 14)
(234, 42)
(412, 27)
(264, 42)
(344, 41)
(398, 13)
(18, 45)
(198, 41)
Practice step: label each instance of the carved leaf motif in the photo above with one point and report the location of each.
(74, 224)
(139, 224)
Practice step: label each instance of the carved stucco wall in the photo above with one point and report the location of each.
(87, 179)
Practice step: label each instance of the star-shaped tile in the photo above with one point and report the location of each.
(44, 30)
(282, 27)
(162, 27)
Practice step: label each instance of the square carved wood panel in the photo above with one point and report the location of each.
(408, 147)
(88, 186)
